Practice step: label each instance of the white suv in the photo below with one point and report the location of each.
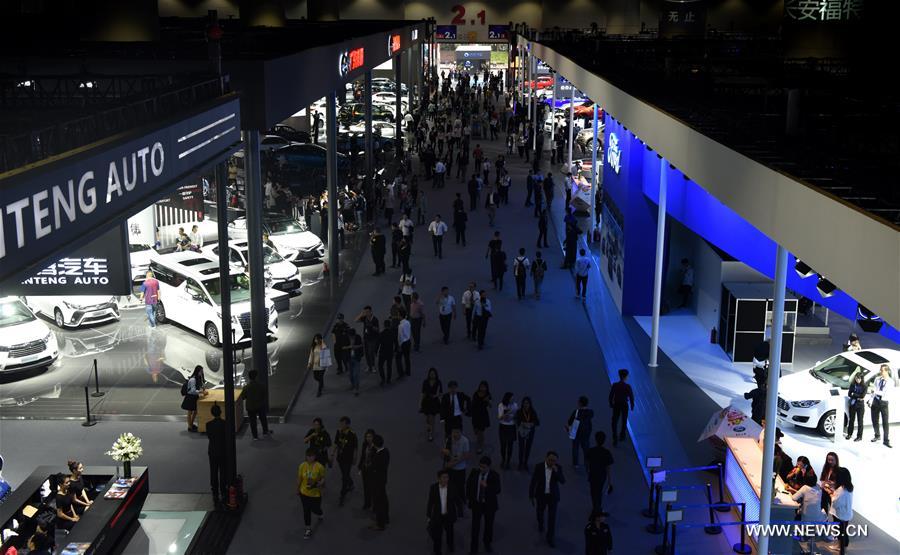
(190, 293)
(25, 341)
(75, 310)
(280, 274)
(294, 241)
(805, 399)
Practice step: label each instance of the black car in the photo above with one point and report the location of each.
(290, 133)
(355, 112)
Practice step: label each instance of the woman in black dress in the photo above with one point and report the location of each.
(80, 498)
(430, 403)
(481, 413)
(66, 517)
(526, 421)
(193, 391)
(319, 439)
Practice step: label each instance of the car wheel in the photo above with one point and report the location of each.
(212, 334)
(827, 423)
(160, 313)
(58, 317)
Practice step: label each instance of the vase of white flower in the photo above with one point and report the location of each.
(125, 450)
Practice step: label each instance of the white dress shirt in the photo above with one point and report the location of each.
(446, 305)
(810, 500)
(582, 266)
(442, 491)
(548, 471)
(437, 228)
(841, 504)
(882, 387)
(455, 401)
(469, 298)
(404, 331)
(483, 306)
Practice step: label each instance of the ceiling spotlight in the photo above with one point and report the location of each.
(868, 321)
(825, 287)
(802, 269)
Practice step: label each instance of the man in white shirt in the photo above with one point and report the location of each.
(439, 170)
(469, 297)
(456, 455)
(881, 395)
(437, 228)
(406, 227)
(544, 491)
(482, 313)
(441, 511)
(404, 340)
(446, 312)
(521, 265)
(582, 270)
(687, 282)
(486, 170)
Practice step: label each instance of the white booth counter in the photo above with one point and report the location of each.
(743, 471)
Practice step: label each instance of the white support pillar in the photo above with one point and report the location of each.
(768, 462)
(553, 114)
(534, 109)
(527, 83)
(660, 250)
(571, 124)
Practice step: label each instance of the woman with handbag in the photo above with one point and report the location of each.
(526, 422)
(319, 361)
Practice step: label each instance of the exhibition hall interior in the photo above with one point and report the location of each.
(383, 276)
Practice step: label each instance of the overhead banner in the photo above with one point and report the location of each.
(101, 267)
(681, 18)
(47, 208)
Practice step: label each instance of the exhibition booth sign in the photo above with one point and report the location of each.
(51, 208)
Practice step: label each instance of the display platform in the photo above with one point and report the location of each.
(141, 370)
(117, 502)
(686, 342)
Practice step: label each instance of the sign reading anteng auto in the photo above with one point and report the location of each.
(54, 204)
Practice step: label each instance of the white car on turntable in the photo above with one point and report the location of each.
(804, 398)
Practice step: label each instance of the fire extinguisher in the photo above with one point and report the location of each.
(235, 492)
(713, 335)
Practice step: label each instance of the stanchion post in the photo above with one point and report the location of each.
(648, 512)
(720, 508)
(97, 392)
(87, 409)
(654, 527)
(742, 547)
(712, 528)
(664, 548)
(672, 544)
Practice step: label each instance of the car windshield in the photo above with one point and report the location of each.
(240, 288)
(14, 312)
(284, 225)
(269, 255)
(835, 371)
(138, 248)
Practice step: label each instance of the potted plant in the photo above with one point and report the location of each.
(126, 449)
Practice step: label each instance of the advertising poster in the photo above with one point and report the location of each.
(612, 249)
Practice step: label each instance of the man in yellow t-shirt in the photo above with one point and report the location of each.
(310, 480)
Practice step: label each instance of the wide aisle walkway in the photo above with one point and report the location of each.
(545, 349)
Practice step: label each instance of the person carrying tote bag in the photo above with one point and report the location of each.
(320, 359)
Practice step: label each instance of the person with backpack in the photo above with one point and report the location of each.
(192, 390)
(538, 269)
(521, 266)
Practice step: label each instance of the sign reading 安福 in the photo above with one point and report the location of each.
(811, 11)
(614, 153)
(51, 206)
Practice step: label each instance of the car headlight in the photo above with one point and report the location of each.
(804, 404)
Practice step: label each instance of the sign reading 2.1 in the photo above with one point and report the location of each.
(614, 153)
(460, 17)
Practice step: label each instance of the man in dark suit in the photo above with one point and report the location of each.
(440, 511)
(599, 462)
(380, 462)
(454, 405)
(482, 489)
(544, 490)
(217, 432)
(386, 339)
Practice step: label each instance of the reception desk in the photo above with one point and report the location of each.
(217, 397)
(100, 527)
(743, 472)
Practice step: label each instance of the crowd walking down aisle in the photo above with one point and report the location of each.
(465, 414)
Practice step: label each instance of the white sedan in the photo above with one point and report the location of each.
(385, 128)
(280, 274)
(73, 311)
(805, 397)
